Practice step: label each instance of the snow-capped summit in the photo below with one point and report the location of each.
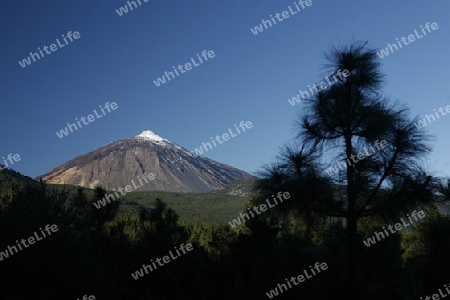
(150, 135)
(153, 137)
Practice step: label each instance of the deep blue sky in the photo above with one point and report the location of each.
(250, 78)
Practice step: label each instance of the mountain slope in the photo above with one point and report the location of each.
(115, 165)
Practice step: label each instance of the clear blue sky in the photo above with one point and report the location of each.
(250, 78)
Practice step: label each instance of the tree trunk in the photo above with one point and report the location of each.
(353, 285)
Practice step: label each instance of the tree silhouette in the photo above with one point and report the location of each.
(339, 123)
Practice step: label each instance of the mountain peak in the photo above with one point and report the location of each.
(119, 163)
(150, 135)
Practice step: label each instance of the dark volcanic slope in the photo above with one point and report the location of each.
(116, 164)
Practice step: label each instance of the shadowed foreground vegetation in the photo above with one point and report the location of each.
(95, 252)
